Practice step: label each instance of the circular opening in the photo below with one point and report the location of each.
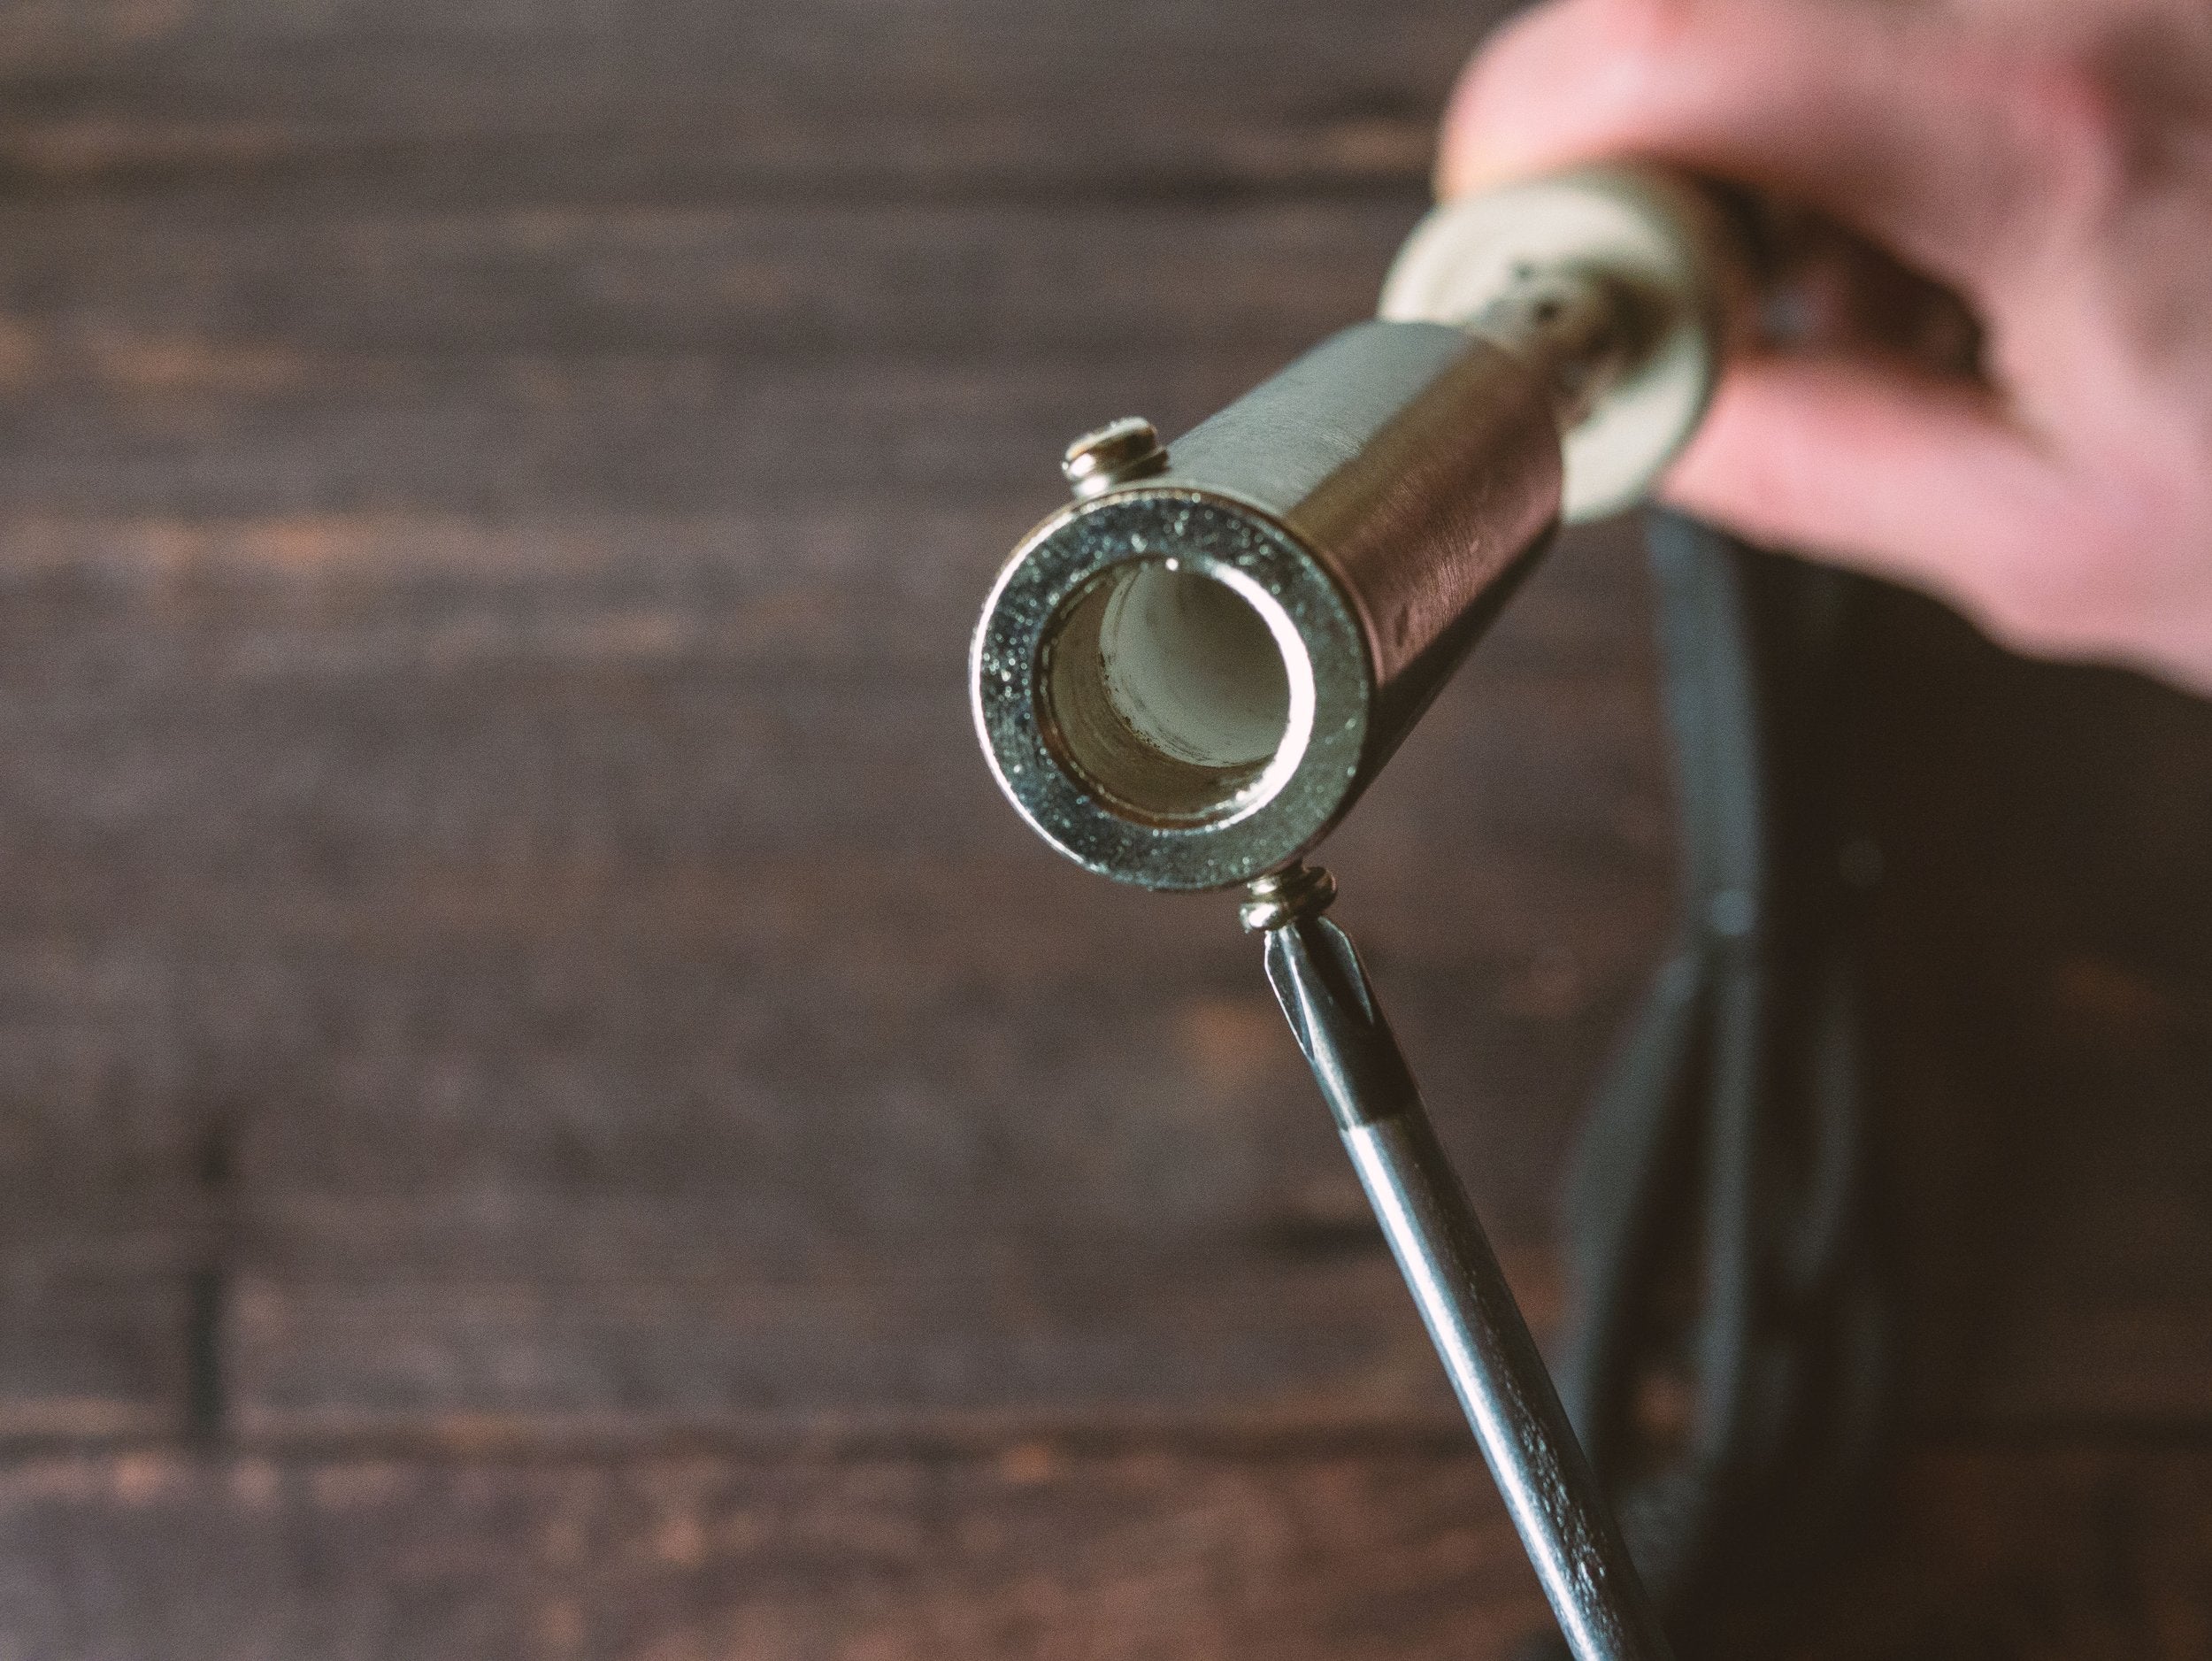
(1169, 695)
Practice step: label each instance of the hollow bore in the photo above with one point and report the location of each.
(1193, 669)
(1168, 693)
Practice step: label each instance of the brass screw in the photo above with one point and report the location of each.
(1287, 896)
(1118, 452)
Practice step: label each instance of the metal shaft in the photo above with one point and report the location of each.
(1564, 1522)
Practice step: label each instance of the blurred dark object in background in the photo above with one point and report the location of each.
(550, 1112)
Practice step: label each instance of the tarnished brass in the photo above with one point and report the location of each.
(1185, 677)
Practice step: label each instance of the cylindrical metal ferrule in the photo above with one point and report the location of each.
(1186, 681)
(1186, 678)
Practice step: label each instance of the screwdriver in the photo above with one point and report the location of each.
(1565, 1525)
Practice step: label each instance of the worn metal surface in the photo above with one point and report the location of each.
(1373, 503)
(1557, 1508)
(1675, 285)
(1370, 507)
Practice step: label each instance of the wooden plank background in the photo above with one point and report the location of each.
(548, 1110)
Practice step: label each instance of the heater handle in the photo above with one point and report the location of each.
(1672, 257)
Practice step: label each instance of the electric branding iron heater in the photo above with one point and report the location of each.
(1186, 676)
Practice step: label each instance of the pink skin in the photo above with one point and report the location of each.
(2050, 160)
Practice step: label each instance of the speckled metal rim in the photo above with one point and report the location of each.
(1293, 805)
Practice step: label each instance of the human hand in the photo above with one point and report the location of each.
(2050, 161)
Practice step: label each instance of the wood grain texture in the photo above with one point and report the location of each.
(1029, 1554)
(2029, 1553)
(225, 284)
(489, 690)
(973, 95)
(2035, 1551)
(524, 1030)
(2043, 969)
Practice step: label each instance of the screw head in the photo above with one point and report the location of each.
(1283, 897)
(1117, 453)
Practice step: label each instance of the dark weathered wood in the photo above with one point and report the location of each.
(255, 355)
(2071, 1551)
(617, 721)
(103, 1306)
(218, 287)
(698, 433)
(2043, 988)
(105, 1230)
(606, 898)
(603, 890)
(397, 720)
(1030, 1554)
(2055, 1151)
(506, 940)
(2068, 1551)
(477, 1009)
(967, 95)
(1306, 1333)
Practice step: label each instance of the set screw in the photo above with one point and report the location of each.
(1118, 453)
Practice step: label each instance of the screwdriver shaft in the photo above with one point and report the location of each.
(1554, 1499)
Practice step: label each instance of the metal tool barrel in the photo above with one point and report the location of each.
(1186, 676)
